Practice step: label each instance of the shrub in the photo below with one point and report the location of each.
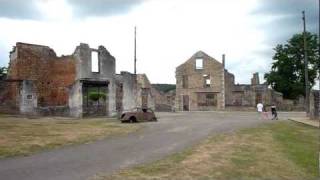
(95, 96)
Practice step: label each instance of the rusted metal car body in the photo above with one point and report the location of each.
(138, 115)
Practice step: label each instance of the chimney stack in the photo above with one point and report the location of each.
(255, 79)
(224, 60)
(223, 98)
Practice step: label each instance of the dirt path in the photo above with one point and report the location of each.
(173, 132)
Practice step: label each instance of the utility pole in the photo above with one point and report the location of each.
(135, 50)
(319, 64)
(306, 79)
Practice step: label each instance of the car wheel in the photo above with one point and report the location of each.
(132, 119)
(154, 119)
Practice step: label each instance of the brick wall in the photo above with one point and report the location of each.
(51, 75)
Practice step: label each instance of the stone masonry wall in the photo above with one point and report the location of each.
(50, 74)
(195, 81)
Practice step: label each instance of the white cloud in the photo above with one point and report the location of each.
(55, 10)
(169, 32)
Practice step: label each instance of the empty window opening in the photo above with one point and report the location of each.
(199, 63)
(184, 81)
(207, 99)
(29, 96)
(94, 62)
(207, 81)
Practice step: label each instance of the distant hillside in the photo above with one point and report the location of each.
(164, 87)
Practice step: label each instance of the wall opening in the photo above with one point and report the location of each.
(199, 63)
(95, 98)
(119, 98)
(207, 99)
(144, 97)
(95, 62)
(184, 81)
(206, 81)
(185, 102)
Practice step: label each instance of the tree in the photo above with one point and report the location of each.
(287, 70)
(164, 87)
(3, 72)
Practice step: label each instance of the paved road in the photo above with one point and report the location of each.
(173, 132)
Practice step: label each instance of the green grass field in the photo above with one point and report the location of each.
(281, 150)
(19, 136)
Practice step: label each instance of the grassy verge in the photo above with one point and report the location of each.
(282, 150)
(20, 136)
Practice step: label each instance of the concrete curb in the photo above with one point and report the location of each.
(314, 123)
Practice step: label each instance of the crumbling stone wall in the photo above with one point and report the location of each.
(250, 95)
(50, 75)
(128, 82)
(134, 89)
(187, 73)
(255, 79)
(222, 89)
(75, 99)
(85, 75)
(229, 86)
(164, 102)
(144, 89)
(41, 83)
(9, 99)
(28, 98)
(83, 56)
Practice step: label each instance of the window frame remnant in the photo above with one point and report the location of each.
(199, 63)
(95, 63)
(206, 81)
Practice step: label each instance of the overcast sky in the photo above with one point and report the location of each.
(168, 31)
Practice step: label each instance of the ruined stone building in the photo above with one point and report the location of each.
(203, 83)
(82, 84)
(164, 101)
(133, 91)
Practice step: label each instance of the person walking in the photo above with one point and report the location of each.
(274, 112)
(265, 113)
(260, 109)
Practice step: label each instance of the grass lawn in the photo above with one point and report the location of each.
(281, 150)
(21, 136)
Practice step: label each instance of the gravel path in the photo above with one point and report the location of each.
(172, 133)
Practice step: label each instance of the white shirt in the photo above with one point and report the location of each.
(259, 107)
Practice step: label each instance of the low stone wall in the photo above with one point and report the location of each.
(163, 108)
(240, 108)
(53, 111)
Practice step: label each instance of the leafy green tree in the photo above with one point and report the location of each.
(95, 96)
(287, 70)
(164, 87)
(3, 72)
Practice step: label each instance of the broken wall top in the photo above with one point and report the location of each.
(106, 63)
(198, 55)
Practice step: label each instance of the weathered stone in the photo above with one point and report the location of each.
(212, 87)
(133, 90)
(205, 83)
(40, 83)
